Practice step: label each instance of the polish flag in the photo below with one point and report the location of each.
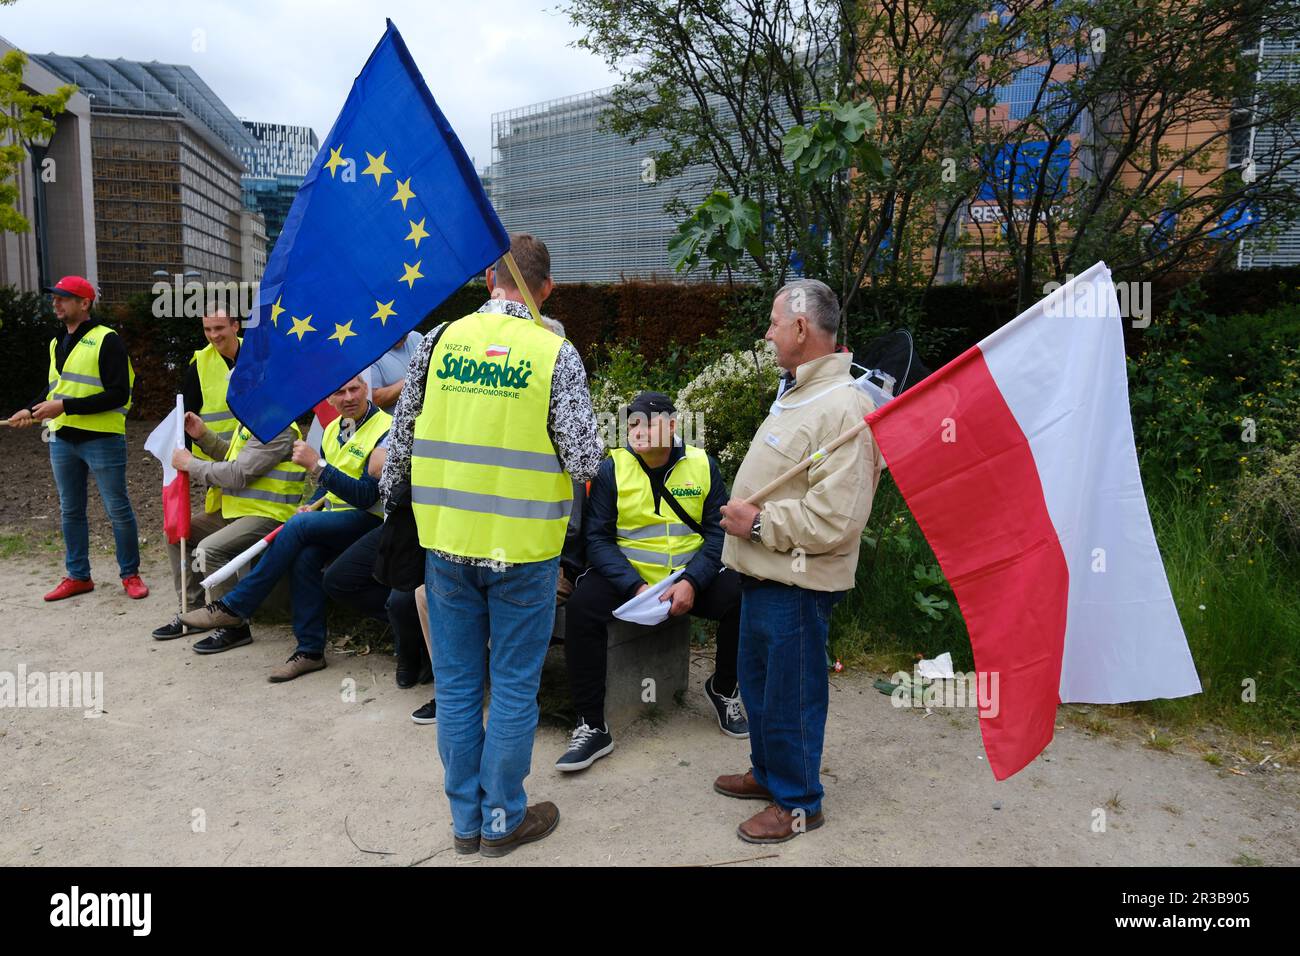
(495, 351)
(162, 441)
(1017, 460)
(325, 413)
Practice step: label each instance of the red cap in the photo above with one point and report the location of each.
(73, 285)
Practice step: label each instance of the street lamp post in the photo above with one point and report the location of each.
(37, 146)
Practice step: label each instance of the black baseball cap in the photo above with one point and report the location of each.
(652, 403)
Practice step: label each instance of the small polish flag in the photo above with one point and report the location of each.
(325, 413)
(162, 441)
(494, 351)
(1017, 460)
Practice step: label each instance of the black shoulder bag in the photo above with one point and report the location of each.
(399, 559)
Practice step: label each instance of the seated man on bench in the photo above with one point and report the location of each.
(653, 509)
(311, 539)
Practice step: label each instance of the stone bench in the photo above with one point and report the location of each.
(636, 653)
(646, 667)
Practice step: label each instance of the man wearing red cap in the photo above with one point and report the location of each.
(85, 406)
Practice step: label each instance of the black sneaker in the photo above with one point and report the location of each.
(428, 714)
(586, 746)
(731, 719)
(223, 639)
(175, 629)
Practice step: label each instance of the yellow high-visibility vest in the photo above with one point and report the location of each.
(80, 379)
(485, 478)
(350, 457)
(214, 377)
(657, 544)
(276, 494)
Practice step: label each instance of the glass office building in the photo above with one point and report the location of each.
(590, 194)
(276, 168)
(166, 171)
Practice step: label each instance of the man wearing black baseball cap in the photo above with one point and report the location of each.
(653, 510)
(85, 405)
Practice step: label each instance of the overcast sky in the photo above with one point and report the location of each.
(293, 61)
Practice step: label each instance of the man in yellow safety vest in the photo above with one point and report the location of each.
(204, 386)
(310, 539)
(493, 421)
(259, 487)
(653, 512)
(85, 406)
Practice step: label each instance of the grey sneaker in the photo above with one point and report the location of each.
(209, 616)
(296, 666)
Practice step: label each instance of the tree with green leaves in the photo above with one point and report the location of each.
(24, 116)
(900, 142)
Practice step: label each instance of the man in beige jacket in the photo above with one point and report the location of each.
(797, 553)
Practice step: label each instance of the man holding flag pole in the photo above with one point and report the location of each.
(793, 534)
(260, 487)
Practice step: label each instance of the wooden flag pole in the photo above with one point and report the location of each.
(522, 286)
(185, 603)
(807, 463)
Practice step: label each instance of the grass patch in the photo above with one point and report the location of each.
(17, 544)
(1235, 592)
(1240, 609)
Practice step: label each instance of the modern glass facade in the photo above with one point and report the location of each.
(165, 169)
(281, 150)
(590, 194)
(272, 198)
(276, 168)
(1271, 147)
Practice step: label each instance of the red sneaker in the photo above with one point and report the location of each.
(135, 588)
(70, 587)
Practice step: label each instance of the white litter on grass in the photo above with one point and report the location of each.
(938, 669)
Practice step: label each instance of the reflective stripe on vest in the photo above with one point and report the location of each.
(485, 479)
(275, 494)
(656, 544)
(350, 457)
(80, 379)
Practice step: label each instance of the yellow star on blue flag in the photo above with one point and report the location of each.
(348, 250)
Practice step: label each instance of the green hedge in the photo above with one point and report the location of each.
(668, 323)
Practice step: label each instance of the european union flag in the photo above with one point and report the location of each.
(390, 220)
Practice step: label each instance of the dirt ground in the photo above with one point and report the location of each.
(202, 761)
(30, 502)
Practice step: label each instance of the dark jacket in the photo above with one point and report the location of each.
(600, 525)
(573, 558)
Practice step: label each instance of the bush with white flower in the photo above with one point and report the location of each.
(721, 408)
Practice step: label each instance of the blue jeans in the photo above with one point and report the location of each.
(106, 459)
(514, 612)
(306, 544)
(783, 683)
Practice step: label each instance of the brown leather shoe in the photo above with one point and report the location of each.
(295, 666)
(776, 825)
(466, 845)
(742, 786)
(539, 821)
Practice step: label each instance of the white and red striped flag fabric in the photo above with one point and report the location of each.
(1017, 460)
(162, 441)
